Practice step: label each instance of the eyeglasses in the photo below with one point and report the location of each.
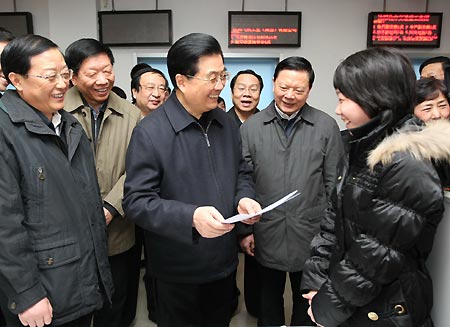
(252, 89)
(51, 78)
(285, 89)
(214, 80)
(151, 87)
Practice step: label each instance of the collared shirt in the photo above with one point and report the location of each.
(97, 118)
(285, 116)
(286, 121)
(56, 125)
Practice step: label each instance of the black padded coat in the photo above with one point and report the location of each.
(368, 261)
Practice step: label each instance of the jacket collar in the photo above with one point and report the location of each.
(180, 118)
(306, 113)
(424, 142)
(74, 101)
(21, 112)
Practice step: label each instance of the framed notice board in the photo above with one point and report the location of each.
(18, 23)
(135, 28)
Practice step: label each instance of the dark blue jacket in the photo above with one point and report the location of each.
(174, 166)
(52, 227)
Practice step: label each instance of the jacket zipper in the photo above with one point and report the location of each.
(205, 134)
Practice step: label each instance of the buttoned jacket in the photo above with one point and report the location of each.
(52, 229)
(119, 120)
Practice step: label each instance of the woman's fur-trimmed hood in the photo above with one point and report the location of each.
(430, 142)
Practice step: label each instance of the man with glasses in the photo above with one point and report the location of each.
(185, 175)
(246, 87)
(149, 88)
(108, 121)
(291, 146)
(54, 259)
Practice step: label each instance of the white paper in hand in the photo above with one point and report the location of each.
(243, 216)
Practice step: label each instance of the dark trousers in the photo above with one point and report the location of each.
(133, 282)
(252, 285)
(112, 315)
(272, 303)
(207, 305)
(130, 305)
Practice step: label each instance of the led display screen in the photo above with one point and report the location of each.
(399, 29)
(264, 29)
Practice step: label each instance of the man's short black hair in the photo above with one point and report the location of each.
(184, 54)
(16, 57)
(82, 49)
(439, 59)
(298, 64)
(250, 72)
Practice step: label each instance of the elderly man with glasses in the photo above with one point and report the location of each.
(185, 175)
(54, 261)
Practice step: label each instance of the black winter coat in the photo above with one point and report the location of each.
(368, 262)
(173, 166)
(52, 227)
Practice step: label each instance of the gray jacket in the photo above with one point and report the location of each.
(52, 231)
(305, 161)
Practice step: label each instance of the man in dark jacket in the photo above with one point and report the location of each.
(53, 264)
(291, 146)
(246, 87)
(185, 174)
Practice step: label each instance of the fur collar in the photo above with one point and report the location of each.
(430, 142)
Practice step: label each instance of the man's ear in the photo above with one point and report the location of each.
(181, 82)
(16, 80)
(134, 92)
(74, 79)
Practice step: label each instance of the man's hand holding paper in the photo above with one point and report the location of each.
(246, 215)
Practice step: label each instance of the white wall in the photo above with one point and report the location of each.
(439, 266)
(332, 29)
